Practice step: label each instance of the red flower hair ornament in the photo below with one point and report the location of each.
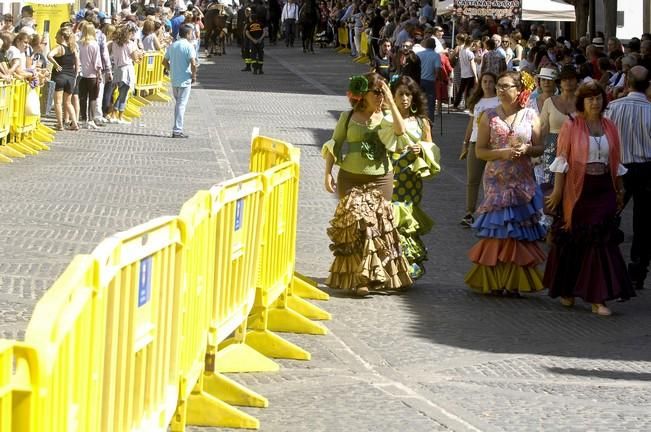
(528, 84)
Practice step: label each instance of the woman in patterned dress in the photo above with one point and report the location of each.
(363, 236)
(506, 257)
(418, 161)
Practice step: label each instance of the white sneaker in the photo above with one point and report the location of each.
(91, 125)
(123, 122)
(112, 120)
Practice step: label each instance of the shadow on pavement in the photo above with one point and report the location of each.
(606, 374)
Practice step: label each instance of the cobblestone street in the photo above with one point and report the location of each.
(435, 358)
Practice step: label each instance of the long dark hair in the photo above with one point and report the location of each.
(418, 102)
(479, 92)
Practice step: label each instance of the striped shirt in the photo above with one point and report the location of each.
(632, 115)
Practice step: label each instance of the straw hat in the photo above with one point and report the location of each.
(598, 42)
(548, 74)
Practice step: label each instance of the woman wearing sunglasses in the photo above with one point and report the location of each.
(507, 222)
(364, 239)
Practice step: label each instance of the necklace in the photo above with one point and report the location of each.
(598, 140)
(512, 125)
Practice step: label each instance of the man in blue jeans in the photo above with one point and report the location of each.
(430, 65)
(181, 61)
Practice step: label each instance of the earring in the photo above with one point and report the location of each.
(413, 109)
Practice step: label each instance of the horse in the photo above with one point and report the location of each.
(217, 23)
(308, 17)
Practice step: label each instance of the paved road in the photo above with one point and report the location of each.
(435, 358)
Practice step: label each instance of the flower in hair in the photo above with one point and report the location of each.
(357, 85)
(528, 82)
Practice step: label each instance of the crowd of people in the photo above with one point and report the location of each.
(89, 73)
(559, 131)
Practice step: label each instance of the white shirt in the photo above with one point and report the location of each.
(483, 105)
(466, 57)
(597, 153)
(290, 11)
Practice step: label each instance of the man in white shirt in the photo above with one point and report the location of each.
(468, 73)
(632, 115)
(438, 39)
(288, 19)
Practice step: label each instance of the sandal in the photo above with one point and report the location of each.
(567, 301)
(361, 291)
(73, 127)
(601, 310)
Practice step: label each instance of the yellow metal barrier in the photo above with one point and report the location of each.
(267, 153)
(363, 49)
(237, 210)
(276, 268)
(344, 43)
(19, 377)
(23, 126)
(204, 395)
(6, 105)
(69, 335)
(149, 78)
(138, 272)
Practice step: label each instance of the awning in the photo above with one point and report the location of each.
(532, 10)
(547, 10)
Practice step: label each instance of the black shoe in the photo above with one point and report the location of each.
(179, 135)
(246, 69)
(255, 71)
(260, 72)
(467, 220)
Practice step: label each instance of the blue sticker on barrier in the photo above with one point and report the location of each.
(144, 281)
(239, 209)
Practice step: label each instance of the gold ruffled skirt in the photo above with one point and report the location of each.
(366, 244)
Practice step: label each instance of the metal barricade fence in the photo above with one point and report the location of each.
(276, 268)
(363, 49)
(69, 338)
(23, 126)
(138, 272)
(267, 153)
(18, 382)
(6, 105)
(204, 395)
(236, 232)
(344, 43)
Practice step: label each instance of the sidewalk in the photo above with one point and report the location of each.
(433, 359)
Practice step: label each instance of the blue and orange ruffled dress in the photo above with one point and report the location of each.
(507, 256)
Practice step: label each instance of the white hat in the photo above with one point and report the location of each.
(548, 74)
(598, 42)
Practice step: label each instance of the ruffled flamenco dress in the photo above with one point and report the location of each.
(507, 256)
(364, 239)
(366, 244)
(412, 222)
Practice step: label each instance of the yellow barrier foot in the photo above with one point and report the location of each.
(235, 356)
(206, 410)
(46, 129)
(5, 159)
(29, 143)
(159, 97)
(43, 136)
(305, 287)
(272, 345)
(5, 150)
(307, 309)
(22, 148)
(35, 144)
(287, 320)
(229, 391)
(141, 101)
